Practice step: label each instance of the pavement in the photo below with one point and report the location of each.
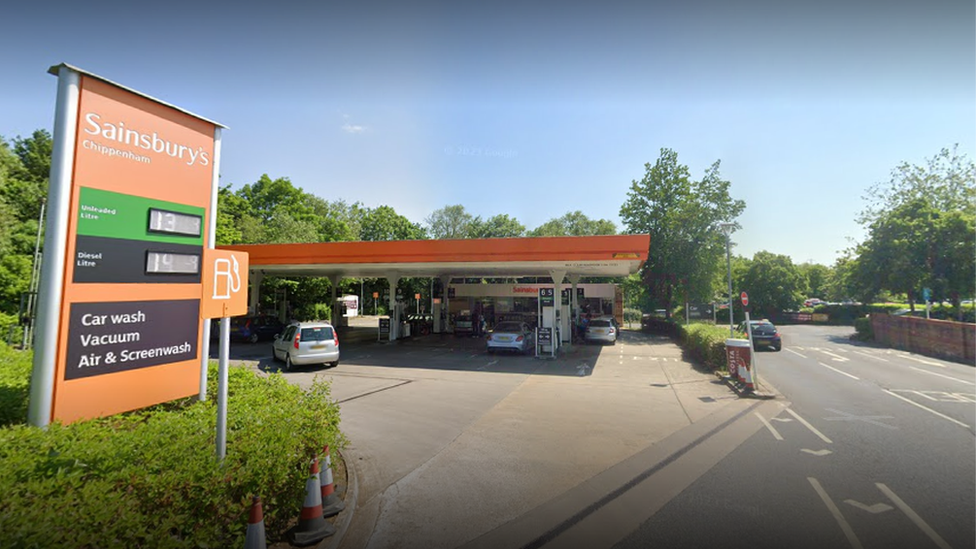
(451, 447)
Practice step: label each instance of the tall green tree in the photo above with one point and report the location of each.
(450, 222)
(383, 223)
(895, 255)
(499, 226)
(773, 283)
(574, 224)
(953, 261)
(815, 278)
(946, 182)
(682, 217)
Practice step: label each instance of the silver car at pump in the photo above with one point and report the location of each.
(510, 336)
(303, 343)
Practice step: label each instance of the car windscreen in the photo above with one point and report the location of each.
(763, 329)
(600, 323)
(322, 333)
(508, 327)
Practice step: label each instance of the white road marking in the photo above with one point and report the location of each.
(873, 509)
(869, 355)
(923, 361)
(794, 352)
(926, 408)
(808, 426)
(800, 348)
(941, 375)
(848, 531)
(913, 516)
(492, 362)
(838, 358)
(839, 371)
(772, 429)
(782, 419)
(818, 453)
(919, 393)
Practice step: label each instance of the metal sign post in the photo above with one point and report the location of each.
(752, 345)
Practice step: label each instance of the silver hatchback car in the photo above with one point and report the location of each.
(303, 343)
(601, 330)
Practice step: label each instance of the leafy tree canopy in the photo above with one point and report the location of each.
(682, 217)
(574, 224)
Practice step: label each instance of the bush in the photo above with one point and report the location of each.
(314, 311)
(705, 343)
(150, 478)
(863, 330)
(8, 332)
(632, 316)
(15, 372)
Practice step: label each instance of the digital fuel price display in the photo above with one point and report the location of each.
(166, 222)
(129, 239)
(172, 263)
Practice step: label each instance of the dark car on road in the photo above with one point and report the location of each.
(255, 328)
(764, 335)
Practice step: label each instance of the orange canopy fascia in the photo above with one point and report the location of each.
(615, 255)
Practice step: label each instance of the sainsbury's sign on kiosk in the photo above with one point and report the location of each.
(132, 183)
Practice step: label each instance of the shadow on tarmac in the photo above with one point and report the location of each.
(445, 352)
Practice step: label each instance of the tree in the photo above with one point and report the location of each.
(383, 223)
(946, 182)
(574, 224)
(773, 283)
(894, 256)
(814, 279)
(953, 261)
(682, 217)
(499, 226)
(449, 222)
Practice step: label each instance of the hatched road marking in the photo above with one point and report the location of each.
(926, 408)
(923, 361)
(940, 375)
(839, 371)
(772, 429)
(913, 516)
(808, 426)
(794, 352)
(848, 531)
(869, 355)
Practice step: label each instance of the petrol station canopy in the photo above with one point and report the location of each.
(615, 255)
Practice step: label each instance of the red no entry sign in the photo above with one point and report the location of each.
(745, 299)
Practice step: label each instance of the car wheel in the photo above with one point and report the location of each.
(288, 364)
(334, 363)
(490, 351)
(253, 338)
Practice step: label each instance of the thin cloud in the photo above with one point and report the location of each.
(353, 128)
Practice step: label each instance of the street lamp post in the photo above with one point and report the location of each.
(727, 228)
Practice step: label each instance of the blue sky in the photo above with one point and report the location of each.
(537, 111)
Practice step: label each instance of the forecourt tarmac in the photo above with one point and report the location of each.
(454, 447)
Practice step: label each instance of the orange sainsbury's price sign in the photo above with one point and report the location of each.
(132, 184)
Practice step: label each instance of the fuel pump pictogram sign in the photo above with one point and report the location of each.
(224, 284)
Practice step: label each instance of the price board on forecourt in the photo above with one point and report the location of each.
(119, 326)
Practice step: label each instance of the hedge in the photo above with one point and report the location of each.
(150, 478)
(705, 343)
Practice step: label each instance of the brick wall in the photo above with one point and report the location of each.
(937, 338)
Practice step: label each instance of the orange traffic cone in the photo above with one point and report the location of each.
(312, 527)
(255, 527)
(331, 504)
